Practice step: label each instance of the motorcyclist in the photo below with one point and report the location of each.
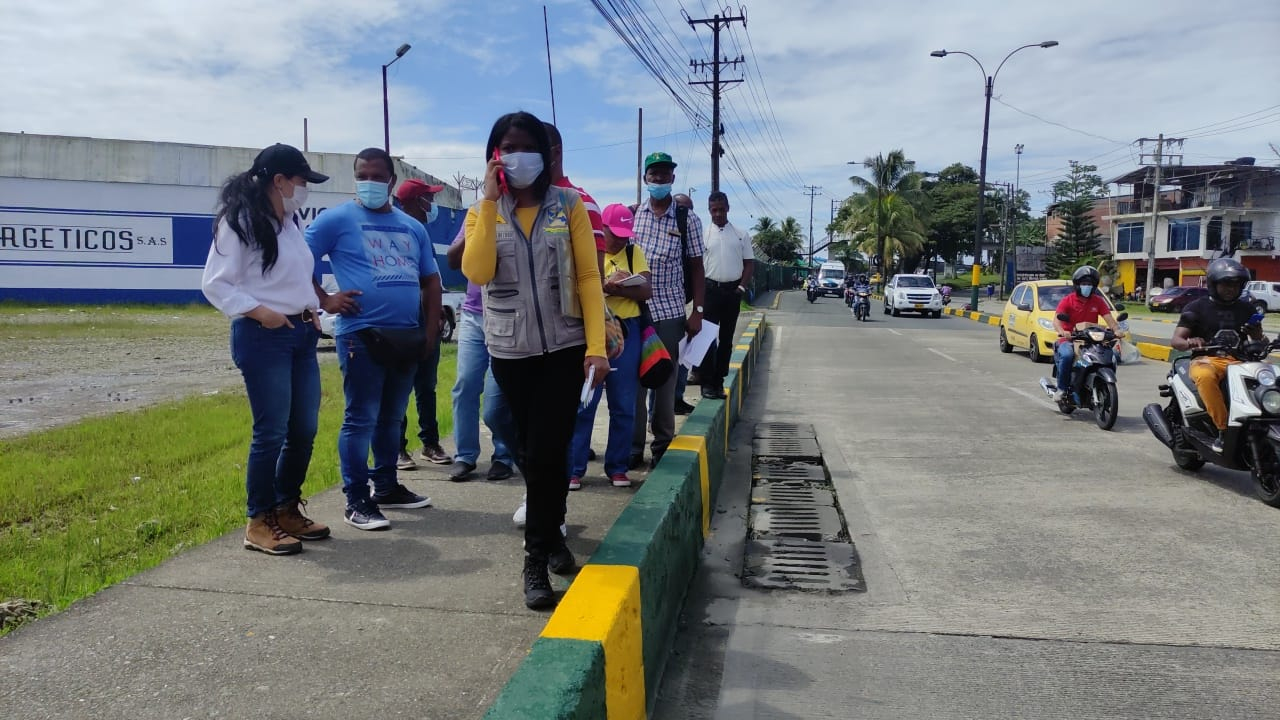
(1081, 306)
(1223, 309)
(861, 284)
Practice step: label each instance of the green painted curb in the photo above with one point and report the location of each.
(660, 533)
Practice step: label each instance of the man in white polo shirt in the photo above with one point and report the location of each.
(729, 261)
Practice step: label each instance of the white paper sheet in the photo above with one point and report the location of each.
(692, 351)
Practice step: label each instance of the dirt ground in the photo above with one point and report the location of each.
(51, 381)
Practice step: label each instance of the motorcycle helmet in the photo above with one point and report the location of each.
(1230, 272)
(1086, 275)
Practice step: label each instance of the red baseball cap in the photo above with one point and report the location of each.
(618, 218)
(412, 188)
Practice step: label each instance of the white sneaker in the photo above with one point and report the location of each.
(1058, 395)
(519, 516)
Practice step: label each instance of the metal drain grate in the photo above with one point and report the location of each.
(784, 430)
(789, 448)
(799, 472)
(790, 564)
(820, 523)
(790, 494)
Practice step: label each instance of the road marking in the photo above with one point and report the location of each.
(1038, 399)
(939, 353)
(895, 332)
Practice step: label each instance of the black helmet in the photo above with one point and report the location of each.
(1086, 273)
(1225, 270)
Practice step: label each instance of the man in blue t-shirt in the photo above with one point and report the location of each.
(386, 257)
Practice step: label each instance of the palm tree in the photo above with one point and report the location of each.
(888, 226)
(791, 233)
(892, 175)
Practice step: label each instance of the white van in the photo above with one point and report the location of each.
(831, 279)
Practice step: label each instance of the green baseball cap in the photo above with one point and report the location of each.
(658, 158)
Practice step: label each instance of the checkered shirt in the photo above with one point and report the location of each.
(659, 236)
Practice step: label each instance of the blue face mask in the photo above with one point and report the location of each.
(1086, 290)
(372, 194)
(659, 192)
(433, 213)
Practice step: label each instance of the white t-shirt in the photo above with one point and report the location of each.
(727, 247)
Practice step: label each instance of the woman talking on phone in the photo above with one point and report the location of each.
(259, 274)
(531, 247)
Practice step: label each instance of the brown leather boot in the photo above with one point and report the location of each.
(265, 535)
(291, 520)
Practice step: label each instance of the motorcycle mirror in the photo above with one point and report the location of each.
(1119, 307)
(1122, 316)
(1063, 317)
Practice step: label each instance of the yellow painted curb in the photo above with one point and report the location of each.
(777, 298)
(741, 346)
(992, 320)
(1154, 352)
(603, 605)
(698, 444)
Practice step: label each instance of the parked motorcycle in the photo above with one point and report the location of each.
(862, 306)
(1093, 375)
(1252, 438)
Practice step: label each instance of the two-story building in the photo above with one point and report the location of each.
(1232, 208)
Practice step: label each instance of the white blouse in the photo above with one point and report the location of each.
(235, 284)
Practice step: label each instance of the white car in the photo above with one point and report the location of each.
(450, 311)
(912, 293)
(1265, 296)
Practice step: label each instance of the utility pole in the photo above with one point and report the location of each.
(812, 191)
(716, 24)
(1017, 187)
(1158, 159)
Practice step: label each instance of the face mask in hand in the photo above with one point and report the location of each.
(1086, 290)
(659, 192)
(522, 168)
(372, 194)
(295, 203)
(433, 213)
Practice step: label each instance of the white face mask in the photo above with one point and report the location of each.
(295, 203)
(522, 168)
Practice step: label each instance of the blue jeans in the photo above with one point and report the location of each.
(1064, 356)
(376, 399)
(424, 395)
(621, 384)
(282, 380)
(473, 378)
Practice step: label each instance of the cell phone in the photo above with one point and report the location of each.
(502, 176)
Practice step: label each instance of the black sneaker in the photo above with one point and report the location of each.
(562, 562)
(711, 392)
(537, 584)
(682, 408)
(365, 516)
(460, 470)
(499, 471)
(401, 497)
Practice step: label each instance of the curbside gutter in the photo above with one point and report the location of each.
(602, 652)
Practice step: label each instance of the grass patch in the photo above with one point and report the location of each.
(83, 322)
(87, 505)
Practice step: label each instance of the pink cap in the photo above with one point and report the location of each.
(618, 219)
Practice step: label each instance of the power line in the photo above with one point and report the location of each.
(1224, 122)
(1054, 122)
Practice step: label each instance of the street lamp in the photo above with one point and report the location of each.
(1013, 232)
(982, 168)
(386, 115)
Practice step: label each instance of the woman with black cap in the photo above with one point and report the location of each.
(259, 274)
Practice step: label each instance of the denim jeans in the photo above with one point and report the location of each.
(1064, 356)
(543, 393)
(282, 380)
(621, 385)
(473, 378)
(424, 395)
(376, 399)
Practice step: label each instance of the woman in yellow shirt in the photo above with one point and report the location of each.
(531, 247)
(626, 286)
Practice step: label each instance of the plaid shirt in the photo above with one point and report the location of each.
(659, 237)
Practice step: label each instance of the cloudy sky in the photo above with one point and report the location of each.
(826, 83)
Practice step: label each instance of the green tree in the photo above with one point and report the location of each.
(884, 215)
(778, 243)
(1078, 243)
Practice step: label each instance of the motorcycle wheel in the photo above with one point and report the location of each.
(1266, 477)
(1188, 461)
(1106, 404)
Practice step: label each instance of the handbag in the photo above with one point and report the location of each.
(655, 362)
(614, 335)
(394, 348)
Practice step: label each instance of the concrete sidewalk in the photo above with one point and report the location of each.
(426, 620)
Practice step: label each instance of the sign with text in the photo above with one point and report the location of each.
(97, 238)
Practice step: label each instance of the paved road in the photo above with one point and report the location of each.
(1020, 564)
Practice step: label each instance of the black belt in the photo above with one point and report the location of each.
(717, 283)
(305, 316)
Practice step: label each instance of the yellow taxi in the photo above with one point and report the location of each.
(1027, 322)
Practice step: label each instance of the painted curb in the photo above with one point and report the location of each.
(602, 652)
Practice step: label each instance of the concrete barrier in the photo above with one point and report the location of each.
(602, 651)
